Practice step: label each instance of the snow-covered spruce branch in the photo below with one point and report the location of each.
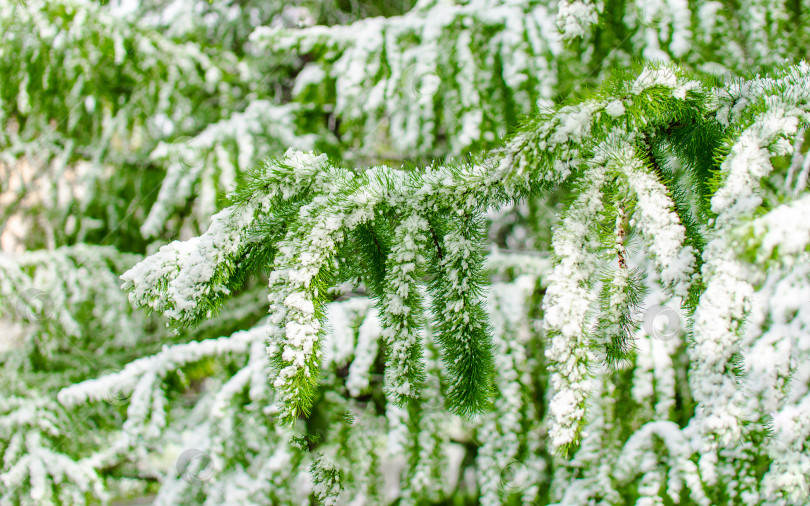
(105, 91)
(119, 57)
(215, 157)
(302, 269)
(400, 83)
(779, 236)
(170, 359)
(610, 144)
(144, 386)
(187, 280)
(32, 467)
(765, 127)
(423, 83)
(665, 30)
(374, 201)
(575, 18)
(145, 383)
(47, 299)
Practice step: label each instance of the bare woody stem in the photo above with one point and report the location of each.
(620, 250)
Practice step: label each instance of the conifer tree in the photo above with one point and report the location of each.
(467, 252)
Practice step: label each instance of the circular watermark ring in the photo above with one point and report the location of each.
(33, 304)
(113, 394)
(184, 154)
(662, 322)
(651, 14)
(194, 465)
(515, 477)
(419, 80)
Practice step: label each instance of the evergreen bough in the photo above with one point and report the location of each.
(679, 191)
(620, 150)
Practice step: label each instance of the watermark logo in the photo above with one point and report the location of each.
(186, 155)
(662, 322)
(515, 477)
(194, 466)
(114, 394)
(419, 80)
(34, 304)
(107, 74)
(651, 14)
